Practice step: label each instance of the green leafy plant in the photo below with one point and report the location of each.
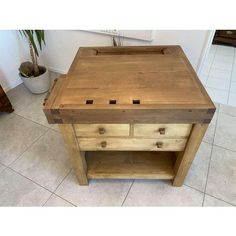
(35, 39)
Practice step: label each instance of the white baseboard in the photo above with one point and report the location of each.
(205, 50)
(12, 86)
(6, 89)
(57, 70)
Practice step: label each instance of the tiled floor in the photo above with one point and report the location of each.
(219, 74)
(35, 171)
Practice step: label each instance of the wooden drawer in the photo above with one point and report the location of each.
(129, 144)
(162, 130)
(100, 130)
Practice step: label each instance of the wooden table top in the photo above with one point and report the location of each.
(123, 81)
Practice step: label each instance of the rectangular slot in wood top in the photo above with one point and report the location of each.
(128, 79)
(130, 165)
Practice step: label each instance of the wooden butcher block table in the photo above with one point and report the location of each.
(130, 113)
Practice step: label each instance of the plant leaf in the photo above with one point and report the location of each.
(29, 34)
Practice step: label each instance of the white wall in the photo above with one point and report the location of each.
(62, 45)
(12, 52)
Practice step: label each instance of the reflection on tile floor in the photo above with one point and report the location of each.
(34, 167)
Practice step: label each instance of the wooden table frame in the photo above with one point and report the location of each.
(140, 85)
(181, 166)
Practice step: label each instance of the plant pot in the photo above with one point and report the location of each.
(39, 84)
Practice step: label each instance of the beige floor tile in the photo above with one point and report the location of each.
(218, 95)
(226, 131)
(197, 174)
(97, 193)
(35, 113)
(34, 110)
(2, 167)
(53, 75)
(16, 135)
(229, 110)
(214, 202)
(5, 116)
(46, 162)
(21, 97)
(232, 99)
(222, 175)
(210, 133)
(16, 190)
(55, 201)
(162, 193)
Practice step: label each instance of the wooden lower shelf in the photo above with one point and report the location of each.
(130, 165)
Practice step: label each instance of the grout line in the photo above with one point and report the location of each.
(57, 188)
(223, 148)
(32, 121)
(37, 123)
(204, 141)
(193, 188)
(52, 192)
(208, 74)
(214, 68)
(231, 77)
(219, 199)
(29, 179)
(47, 199)
(209, 164)
(27, 148)
(222, 90)
(40, 184)
(127, 193)
(62, 180)
(65, 200)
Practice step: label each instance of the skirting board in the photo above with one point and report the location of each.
(6, 89)
(53, 69)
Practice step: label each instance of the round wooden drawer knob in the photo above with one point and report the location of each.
(159, 144)
(162, 131)
(103, 144)
(101, 131)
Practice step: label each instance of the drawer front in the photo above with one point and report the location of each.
(162, 130)
(101, 130)
(129, 144)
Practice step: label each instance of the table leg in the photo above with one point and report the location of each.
(185, 158)
(76, 156)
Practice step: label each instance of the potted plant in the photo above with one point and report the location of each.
(34, 76)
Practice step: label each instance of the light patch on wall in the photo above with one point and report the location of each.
(146, 35)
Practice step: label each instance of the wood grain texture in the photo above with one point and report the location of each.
(77, 158)
(131, 144)
(162, 130)
(148, 84)
(130, 165)
(185, 158)
(101, 130)
(134, 99)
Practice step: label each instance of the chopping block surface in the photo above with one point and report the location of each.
(129, 84)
